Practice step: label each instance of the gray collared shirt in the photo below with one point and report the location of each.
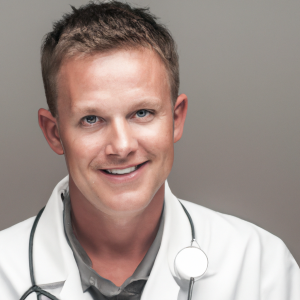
(99, 287)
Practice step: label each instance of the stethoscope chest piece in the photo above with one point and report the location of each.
(190, 262)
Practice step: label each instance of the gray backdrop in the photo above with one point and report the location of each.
(240, 68)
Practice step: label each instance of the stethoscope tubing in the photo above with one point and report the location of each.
(190, 220)
(191, 285)
(31, 245)
(40, 291)
(35, 288)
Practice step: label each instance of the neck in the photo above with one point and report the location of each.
(106, 238)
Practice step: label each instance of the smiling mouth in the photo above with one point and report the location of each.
(123, 171)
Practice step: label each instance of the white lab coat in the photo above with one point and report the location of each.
(245, 261)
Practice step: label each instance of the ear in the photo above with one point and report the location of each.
(48, 125)
(180, 110)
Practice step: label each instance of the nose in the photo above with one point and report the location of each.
(121, 139)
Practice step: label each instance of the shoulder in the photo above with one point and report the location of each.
(14, 268)
(234, 232)
(244, 250)
(226, 226)
(15, 236)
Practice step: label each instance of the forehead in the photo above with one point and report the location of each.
(117, 77)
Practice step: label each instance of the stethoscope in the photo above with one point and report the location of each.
(190, 263)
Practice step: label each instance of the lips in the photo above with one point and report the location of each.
(123, 171)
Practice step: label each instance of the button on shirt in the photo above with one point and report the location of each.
(99, 287)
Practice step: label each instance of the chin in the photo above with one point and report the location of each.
(129, 201)
(126, 201)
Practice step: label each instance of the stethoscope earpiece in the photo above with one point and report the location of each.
(190, 262)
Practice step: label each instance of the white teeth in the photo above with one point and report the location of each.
(122, 171)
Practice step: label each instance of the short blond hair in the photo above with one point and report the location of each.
(104, 26)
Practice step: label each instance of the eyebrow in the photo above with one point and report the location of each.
(147, 103)
(139, 103)
(88, 110)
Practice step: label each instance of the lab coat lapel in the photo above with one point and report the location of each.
(53, 258)
(163, 283)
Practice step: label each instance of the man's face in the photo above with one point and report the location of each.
(116, 126)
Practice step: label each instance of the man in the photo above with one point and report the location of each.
(112, 229)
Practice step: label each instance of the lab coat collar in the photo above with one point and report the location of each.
(163, 283)
(54, 260)
(52, 257)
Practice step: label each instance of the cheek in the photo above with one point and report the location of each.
(158, 139)
(81, 150)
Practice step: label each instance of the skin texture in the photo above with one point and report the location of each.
(114, 112)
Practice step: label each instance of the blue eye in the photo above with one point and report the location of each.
(142, 113)
(91, 119)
